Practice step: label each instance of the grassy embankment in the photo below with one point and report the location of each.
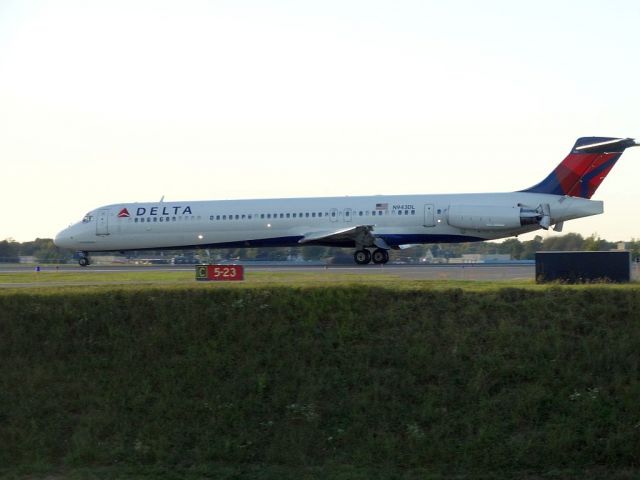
(347, 381)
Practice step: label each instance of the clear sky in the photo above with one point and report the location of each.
(120, 101)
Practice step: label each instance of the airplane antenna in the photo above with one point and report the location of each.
(162, 199)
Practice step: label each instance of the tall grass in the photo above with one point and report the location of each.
(448, 380)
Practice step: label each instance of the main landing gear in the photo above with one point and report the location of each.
(364, 256)
(83, 259)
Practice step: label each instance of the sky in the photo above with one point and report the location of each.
(125, 101)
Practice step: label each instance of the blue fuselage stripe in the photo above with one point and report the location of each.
(292, 241)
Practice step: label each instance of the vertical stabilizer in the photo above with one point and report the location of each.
(583, 170)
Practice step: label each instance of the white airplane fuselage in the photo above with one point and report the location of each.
(380, 222)
(398, 220)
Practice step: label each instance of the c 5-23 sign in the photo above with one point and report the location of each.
(219, 273)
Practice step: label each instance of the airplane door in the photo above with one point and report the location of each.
(347, 214)
(102, 222)
(334, 214)
(428, 216)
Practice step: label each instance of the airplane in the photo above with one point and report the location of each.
(372, 225)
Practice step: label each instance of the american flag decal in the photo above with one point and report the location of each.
(382, 206)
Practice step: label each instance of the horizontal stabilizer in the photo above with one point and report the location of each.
(603, 144)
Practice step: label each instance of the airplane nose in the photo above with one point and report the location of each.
(62, 239)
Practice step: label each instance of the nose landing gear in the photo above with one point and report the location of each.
(83, 261)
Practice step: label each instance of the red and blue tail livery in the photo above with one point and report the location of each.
(584, 169)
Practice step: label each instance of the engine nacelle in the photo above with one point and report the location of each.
(491, 217)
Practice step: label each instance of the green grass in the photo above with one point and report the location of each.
(302, 377)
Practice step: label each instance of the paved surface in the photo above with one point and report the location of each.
(481, 272)
(431, 272)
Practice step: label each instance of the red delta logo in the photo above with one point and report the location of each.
(124, 213)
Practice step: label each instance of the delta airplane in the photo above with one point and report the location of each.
(372, 225)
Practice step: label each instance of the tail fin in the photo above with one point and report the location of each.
(584, 169)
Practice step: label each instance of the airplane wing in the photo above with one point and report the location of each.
(358, 234)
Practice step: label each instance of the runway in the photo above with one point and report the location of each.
(414, 272)
(444, 272)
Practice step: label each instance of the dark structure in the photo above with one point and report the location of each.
(583, 267)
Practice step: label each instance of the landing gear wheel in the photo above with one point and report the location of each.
(362, 257)
(84, 261)
(380, 256)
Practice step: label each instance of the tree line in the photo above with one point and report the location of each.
(44, 251)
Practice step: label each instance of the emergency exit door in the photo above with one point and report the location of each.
(429, 220)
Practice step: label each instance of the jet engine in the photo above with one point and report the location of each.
(488, 217)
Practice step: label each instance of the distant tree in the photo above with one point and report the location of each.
(9, 250)
(277, 254)
(314, 252)
(530, 248)
(513, 247)
(634, 247)
(594, 243)
(341, 256)
(565, 243)
(46, 252)
(249, 253)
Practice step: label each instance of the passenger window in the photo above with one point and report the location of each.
(313, 214)
(413, 212)
(399, 212)
(288, 215)
(262, 215)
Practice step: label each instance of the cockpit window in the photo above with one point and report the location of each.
(87, 218)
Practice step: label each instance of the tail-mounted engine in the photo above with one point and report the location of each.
(480, 217)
